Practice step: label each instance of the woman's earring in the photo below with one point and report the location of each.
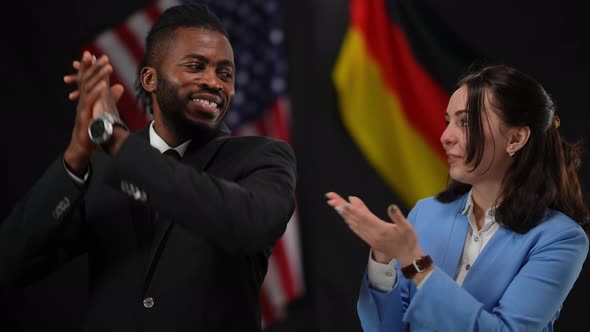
(511, 150)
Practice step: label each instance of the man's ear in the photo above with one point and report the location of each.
(149, 78)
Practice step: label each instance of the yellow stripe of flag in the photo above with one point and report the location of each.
(374, 118)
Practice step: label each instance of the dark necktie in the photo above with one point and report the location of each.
(172, 153)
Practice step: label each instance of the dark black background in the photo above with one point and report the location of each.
(547, 39)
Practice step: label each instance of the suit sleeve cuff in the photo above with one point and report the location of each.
(78, 180)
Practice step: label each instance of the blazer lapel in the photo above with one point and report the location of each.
(454, 249)
(199, 157)
(493, 257)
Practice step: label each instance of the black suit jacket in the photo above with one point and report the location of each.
(172, 246)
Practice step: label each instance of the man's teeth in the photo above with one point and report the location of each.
(206, 102)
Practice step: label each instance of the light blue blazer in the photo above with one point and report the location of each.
(518, 282)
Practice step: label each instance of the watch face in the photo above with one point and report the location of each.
(100, 130)
(97, 129)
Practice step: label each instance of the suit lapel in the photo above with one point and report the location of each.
(492, 257)
(455, 247)
(199, 157)
(456, 242)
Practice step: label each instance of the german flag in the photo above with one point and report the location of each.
(396, 69)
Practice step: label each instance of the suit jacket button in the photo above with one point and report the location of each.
(148, 302)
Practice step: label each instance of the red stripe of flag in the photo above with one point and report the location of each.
(153, 12)
(261, 127)
(280, 123)
(266, 308)
(420, 97)
(284, 268)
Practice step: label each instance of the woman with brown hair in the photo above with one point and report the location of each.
(501, 247)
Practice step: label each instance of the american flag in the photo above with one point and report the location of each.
(261, 106)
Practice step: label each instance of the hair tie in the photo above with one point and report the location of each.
(556, 121)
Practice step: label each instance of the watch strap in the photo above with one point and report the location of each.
(418, 265)
(114, 120)
(104, 123)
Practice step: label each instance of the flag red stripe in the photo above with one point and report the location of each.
(93, 49)
(266, 309)
(284, 268)
(261, 127)
(274, 122)
(153, 12)
(420, 96)
(269, 121)
(280, 124)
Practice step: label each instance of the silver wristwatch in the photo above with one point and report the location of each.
(100, 128)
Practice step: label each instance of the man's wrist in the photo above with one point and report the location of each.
(79, 180)
(102, 127)
(113, 145)
(76, 163)
(109, 131)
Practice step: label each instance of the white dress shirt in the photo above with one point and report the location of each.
(155, 141)
(383, 276)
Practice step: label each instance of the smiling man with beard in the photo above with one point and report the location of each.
(174, 244)
(193, 84)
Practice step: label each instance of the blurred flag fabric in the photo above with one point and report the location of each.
(261, 106)
(394, 74)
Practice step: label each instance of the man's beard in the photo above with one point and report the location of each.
(171, 110)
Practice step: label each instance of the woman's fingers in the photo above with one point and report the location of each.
(396, 215)
(391, 212)
(354, 212)
(377, 233)
(391, 240)
(356, 201)
(332, 195)
(335, 200)
(342, 207)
